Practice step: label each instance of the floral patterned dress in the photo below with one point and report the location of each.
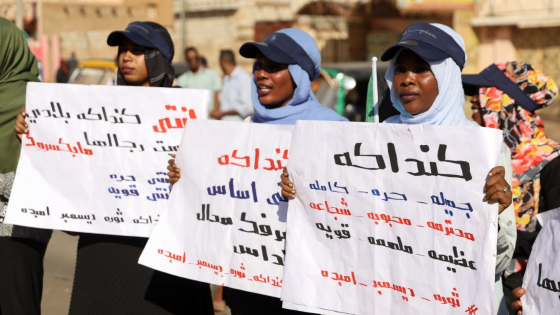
(523, 133)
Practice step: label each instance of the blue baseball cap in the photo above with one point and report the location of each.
(145, 34)
(282, 48)
(429, 42)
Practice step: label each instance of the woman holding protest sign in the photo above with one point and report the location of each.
(505, 96)
(22, 249)
(286, 63)
(108, 278)
(424, 78)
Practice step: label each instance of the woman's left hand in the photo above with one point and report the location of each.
(497, 189)
(517, 293)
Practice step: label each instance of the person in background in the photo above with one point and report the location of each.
(199, 77)
(108, 278)
(22, 249)
(505, 96)
(235, 102)
(63, 73)
(72, 63)
(203, 62)
(424, 78)
(286, 64)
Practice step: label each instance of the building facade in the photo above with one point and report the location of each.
(213, 25)
(529, 31)
(59, 28)
(520, 30)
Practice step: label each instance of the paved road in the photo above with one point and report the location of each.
(60, 261)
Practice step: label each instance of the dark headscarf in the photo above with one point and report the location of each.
(160, 71)
(17, 67)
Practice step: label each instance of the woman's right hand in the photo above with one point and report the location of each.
(287, 186)
(21, 126)
(174, 172)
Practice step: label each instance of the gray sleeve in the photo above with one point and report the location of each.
(507, 233)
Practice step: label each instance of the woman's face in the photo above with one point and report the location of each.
(132, 63)
(415, 83)
(475, 106)
(274, 82)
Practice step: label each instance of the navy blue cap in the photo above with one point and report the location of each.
(282, 49)
(492, 76)
(145, 34)
(429, 42)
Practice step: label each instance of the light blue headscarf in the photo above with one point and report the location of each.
(447, 108)
(304, 105)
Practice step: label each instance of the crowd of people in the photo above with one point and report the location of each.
(425, 87)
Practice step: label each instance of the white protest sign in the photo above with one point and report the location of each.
(542, 277)
(96, 156)
(225, 220)
(389, 219)
(552, 214)
(309, 309)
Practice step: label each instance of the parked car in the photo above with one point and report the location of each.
(94, 71)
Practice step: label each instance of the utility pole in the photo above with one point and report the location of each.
(183, 28)
(19, 14)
